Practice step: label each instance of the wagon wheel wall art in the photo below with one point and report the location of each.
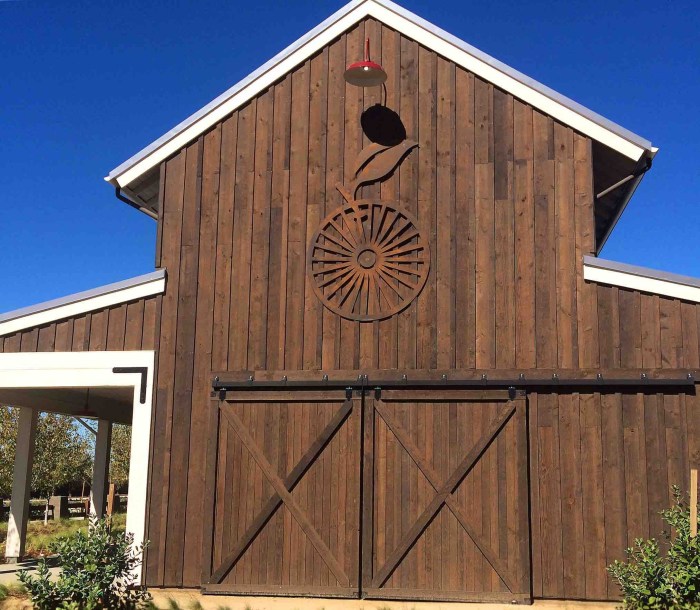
(368, 259)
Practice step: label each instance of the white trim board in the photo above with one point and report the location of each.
(641, 278)
(83, 302)
(530, 91)
(95, 369)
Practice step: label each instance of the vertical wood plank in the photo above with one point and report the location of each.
(465, 280)
(586, 292)
(184, 365)
(545, 242)
(593, 496)
(46, 340)
(389, 188)
(524, 227)
(318, 109)
(242, 227)
(64, 335)
(550, 497)
(260, 233)
(485, 253)
(445, 204)
(564, 200)
(96, 338)
(426, 333)
(224, 243)
(614, 482)
(172, 205)
(670, 332)
(651, 337)
(151, 325)
(504, 229)
(573, 538)
(134, 329)
(195, 528)
(630, 329)
(408, 194)
(296, 241)
(116, 329)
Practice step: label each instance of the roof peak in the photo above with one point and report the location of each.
(411, 25)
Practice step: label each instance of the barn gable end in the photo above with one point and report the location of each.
(505, 197)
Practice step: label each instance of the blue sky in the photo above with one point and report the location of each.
(85, 85)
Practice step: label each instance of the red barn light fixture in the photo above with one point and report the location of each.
(365, 73)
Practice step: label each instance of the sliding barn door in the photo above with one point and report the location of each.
(445, 496)
(286, 472)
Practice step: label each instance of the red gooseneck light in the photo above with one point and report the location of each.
(365, 73)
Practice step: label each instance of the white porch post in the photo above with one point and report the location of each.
(100, 469)
(21, 485)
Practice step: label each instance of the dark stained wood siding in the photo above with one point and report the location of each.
(129, 326)
(505, 196)
(602, 465)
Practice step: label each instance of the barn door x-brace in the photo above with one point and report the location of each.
(368, 492)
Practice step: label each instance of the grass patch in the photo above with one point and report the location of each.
(40, 537)
(14, 590)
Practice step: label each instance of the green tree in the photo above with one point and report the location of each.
(119, 456)
(62, 455)
(9, 417)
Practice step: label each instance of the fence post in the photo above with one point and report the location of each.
(693, 502)
(110, 499)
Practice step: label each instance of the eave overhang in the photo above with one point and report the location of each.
(80, 303)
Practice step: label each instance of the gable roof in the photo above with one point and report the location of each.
(530, 91)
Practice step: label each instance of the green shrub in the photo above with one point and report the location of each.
(96, 573)
(650, 580)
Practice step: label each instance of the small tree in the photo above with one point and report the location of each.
(96, 573)
(62, 455)
(9, 418)
(119, 457)
(649, 580)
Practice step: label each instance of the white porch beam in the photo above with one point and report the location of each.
(21, 485)
(100, 469)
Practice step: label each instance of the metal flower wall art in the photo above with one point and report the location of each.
(368, 260)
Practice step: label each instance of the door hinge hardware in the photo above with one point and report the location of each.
(511, 393)
(251, 379)
(377, 393)
(325, 378)
(348, 393)
(222, 394)
(444, 377)
(555, 377)
(484, 377)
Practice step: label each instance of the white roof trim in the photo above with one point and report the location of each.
(83, 302)
(642, 279)
(530, 91)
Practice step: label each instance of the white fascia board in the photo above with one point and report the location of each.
(83, 302)
(530, 91)
(639, 278)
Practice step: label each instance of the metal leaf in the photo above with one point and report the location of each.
(366, 154)
(381, 164)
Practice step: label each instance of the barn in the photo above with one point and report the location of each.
(380, 357)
